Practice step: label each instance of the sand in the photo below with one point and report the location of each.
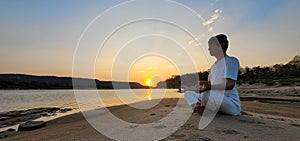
(271, 120)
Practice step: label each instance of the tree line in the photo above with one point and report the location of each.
(279, 74)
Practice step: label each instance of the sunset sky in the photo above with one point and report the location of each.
(41, 37)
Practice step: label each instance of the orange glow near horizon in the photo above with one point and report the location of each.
(150, 70)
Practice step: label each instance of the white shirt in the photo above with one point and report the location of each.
(227, 67)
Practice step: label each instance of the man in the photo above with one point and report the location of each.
(220, 91)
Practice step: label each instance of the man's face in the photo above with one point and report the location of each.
(215, 49)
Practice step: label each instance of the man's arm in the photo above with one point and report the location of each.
(184, 89)
(206, 85)
(230, 83)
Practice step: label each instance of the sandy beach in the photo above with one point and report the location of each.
(263, 118)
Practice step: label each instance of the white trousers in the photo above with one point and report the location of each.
(212, 101)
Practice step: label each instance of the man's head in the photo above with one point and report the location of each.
(218, 45)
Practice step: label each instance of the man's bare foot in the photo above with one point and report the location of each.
(199, 108)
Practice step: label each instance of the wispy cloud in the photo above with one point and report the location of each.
(196, 39)
(213, 18)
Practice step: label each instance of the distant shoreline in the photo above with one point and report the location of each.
(82, 89)
(24, 81)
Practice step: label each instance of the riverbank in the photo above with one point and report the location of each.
(248, 126)
(268, 114)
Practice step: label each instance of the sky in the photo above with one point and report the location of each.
(140, 40)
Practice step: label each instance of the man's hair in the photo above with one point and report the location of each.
(220, 39)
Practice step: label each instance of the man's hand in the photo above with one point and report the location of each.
(185, 88)
(228, 85)
(206, 85)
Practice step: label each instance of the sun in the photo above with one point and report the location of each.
(149, 82)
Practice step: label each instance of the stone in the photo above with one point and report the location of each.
(4, 118)
(53, 109)
(31, 125)
(64, 110)
(10, 129)
(12, 114)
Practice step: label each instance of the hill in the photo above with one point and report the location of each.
(23, 81)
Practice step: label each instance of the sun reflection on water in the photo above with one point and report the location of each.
(149, 92)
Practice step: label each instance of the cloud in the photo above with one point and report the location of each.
(196, 39)
(213, 18)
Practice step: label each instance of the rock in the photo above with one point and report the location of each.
(28, 117)
(4, 118)
(30, 111)
(16, 117)
(44, 114)
(31, 125)
(12, 114)
(53, 109)
(10, 129)
(51, 114)
(64, 110)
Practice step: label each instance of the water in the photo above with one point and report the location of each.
(27, 99)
